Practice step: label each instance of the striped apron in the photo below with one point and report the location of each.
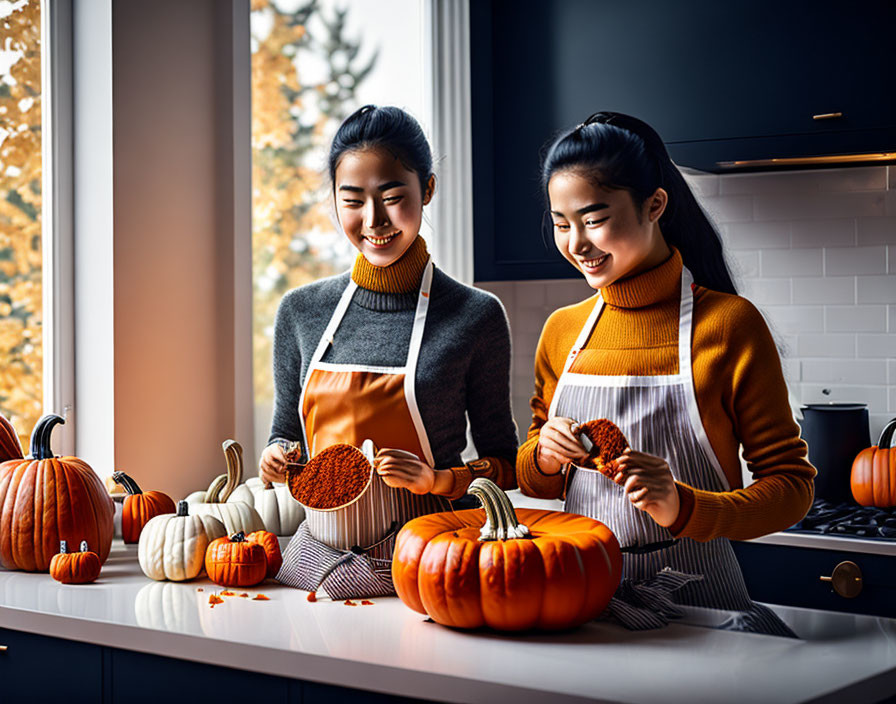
(659, 416)
(350, 403)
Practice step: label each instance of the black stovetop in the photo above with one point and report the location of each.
(848, 520)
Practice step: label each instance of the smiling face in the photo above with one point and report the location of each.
(379, 203)
(601, 232)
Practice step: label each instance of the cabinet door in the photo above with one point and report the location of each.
(138, 677)
(44, 670)
(719, 81)
(780, 574)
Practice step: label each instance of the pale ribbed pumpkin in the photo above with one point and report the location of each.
(172, 546)
(873, 477)
(557, 571)
(45, 499)
(278, 509)
(236, 515)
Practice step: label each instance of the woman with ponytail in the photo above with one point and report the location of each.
(671, 354)
(394, 351)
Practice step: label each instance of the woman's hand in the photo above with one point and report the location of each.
(404, 470)
(557, 445)
(272, 465)
(649, 485)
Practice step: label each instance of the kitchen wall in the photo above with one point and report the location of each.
(814, 250)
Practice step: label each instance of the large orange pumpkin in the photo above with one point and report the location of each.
(45, 499)
(10, 448)
(139, 507)
(873, 477)
(557, 571)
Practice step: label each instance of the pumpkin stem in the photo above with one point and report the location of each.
(40, 436)
(183, 508)
(63, 547)
(127, 482)
(501, 521)
(886, 436)
(233, 454)
(213, 495)
(84, 547)
(238, 537)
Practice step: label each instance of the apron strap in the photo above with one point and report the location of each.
(410, 374)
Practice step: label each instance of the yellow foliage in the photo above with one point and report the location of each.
(21, 296)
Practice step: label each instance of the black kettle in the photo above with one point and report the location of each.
(835, 433)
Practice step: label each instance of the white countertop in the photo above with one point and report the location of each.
(389, 648)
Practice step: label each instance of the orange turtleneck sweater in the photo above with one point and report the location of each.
(404, 276)
(740, 389)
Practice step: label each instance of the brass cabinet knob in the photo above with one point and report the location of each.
(827, 116)
(846, 580)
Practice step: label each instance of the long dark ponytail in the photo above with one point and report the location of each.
(621, 151)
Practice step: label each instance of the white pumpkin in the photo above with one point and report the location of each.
(235, 515)
(279, 510)
(169, 606)
(198, 497)
(172, 546)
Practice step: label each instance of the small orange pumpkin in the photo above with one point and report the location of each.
(235, 561)
(271, 546)
(75, 567)
(556, 572)
(139, 507)
(10, 447)
(873, 477)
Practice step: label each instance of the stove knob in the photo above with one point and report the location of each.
(846, 580)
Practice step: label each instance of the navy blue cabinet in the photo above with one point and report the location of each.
(721, 82)
(41, 670)
(37, 669)
(780, 574)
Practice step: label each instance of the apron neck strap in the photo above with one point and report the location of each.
(685, 325)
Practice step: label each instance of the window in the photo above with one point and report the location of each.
(21, 250)
(313, 63)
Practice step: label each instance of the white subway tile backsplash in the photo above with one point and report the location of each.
(891, 372)
(856, 318)
(864, 178)
(817, 289)
(804, 206)
(891, 322)
(840, 371)
(749, 235)
(792, 371)
(892, 404)
(792, 263)
(827, 345)
(874, 396)
(743, 263)
(795, 319)
(855, 261)
(880, 230)
(766, 291)
(871, 345)
(566, 293)
(702, 185)
(729, 208)
(876, 289)
(890, 208)
(831, 232)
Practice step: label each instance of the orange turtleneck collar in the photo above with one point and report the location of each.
(649, 287)
(402, 276)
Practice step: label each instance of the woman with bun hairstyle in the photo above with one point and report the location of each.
(668, 351)
(395, 350)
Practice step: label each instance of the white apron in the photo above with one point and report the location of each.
(659, 416)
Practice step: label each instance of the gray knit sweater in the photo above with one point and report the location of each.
(463, 368)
